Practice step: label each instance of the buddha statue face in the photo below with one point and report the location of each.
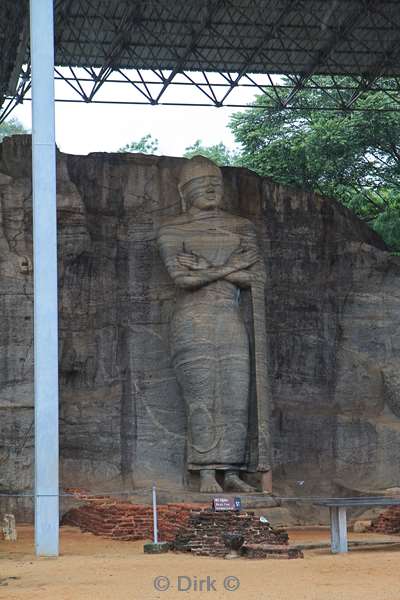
(203, 193)
(200, 184)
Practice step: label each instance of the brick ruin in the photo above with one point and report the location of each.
(203, 534)
(122, 520)
(190, 528)
(387, 522)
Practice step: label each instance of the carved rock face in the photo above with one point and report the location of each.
(25, 265)
(332, 314)
(204, 193)
(212, 256)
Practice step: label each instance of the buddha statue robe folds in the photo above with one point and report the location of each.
(211, 255)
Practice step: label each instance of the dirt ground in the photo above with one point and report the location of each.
(92, 568)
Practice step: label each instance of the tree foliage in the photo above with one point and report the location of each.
(219, 153)
(351, 156)
(146, 145)
(11, 127)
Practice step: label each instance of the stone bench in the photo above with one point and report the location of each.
(338, 516)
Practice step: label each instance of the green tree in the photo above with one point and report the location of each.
(146, 145)
(351, 156)
(218, 153)
(11, 127)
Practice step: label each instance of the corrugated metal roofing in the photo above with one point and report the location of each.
(275, 36)
(12, 27)
(254, 36)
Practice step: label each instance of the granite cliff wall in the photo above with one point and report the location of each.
(333, 300)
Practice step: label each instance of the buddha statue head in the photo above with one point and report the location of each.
(200, 184)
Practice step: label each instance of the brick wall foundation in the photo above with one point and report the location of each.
(190, 528)
(204, 530)
(388, 521)
(119, 520)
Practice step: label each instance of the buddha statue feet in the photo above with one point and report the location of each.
(208, 482)
(233, 483)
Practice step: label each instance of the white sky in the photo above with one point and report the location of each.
(82, 128)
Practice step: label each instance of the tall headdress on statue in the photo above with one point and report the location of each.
(197, 166)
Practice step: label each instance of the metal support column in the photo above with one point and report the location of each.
(342, 524)
(334, 514)
(45, 278)
(339, 542)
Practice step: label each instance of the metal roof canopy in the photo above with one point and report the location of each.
(212, 46)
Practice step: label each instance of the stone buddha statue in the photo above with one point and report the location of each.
(211, 255)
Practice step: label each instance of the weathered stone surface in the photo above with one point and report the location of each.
(270, 551)
(161, 548)
(361, 526)
(212, 256)
(333, 297)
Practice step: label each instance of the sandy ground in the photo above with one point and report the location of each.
(92, 568)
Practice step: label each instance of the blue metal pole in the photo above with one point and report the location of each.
(45, 279)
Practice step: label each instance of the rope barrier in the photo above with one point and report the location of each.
(87, 496)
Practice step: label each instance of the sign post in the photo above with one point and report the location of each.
(225, 503)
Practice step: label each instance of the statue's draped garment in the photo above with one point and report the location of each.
(209, 341)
